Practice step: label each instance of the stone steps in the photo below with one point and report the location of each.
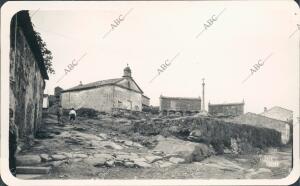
(33, 170)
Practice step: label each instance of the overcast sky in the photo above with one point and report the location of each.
(153, 32)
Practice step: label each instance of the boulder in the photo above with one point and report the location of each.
(195, 135)
(142, 164)
(129, 164)
(119, 162)
(110, 163)
(80, 156)
(69, 155)
(139, 159)
(165, 164)
(112, 145)
(152, 159)
(96, 162)
(57, 163)
(176, 160)
(103, 136)
(45, 157)
(135, 144)
(125, 157)
(57, 157)
(186, 150)
(158, 153)
(28, 160)
(104, 156)
(75, 160)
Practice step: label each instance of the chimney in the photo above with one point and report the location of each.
(80, 83)
(265, 109)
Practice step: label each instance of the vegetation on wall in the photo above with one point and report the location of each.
(47, 54)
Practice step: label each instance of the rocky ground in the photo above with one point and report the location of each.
(100, 149)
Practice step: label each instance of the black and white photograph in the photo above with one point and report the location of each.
(150, 92)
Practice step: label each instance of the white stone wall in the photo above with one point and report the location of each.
(100, 99)
(130, 100)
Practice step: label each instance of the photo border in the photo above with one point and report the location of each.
(8, 9)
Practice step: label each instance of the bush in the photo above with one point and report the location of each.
(87, 112)
(151, 109)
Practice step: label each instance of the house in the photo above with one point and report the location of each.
(279, 113)
(145, 101)
(226, 109)
(265, 122)
(57, 91)
(52, 100)
(123, 93)
(45, 101)
(27, 76)
(180, 104)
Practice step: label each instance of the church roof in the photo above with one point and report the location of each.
(98, 84)
(95, 84)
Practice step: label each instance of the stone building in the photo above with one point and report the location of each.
(145, 101)
(180, 104)
(57, 91)
(226, 109)
(27, 75)
(45, 101)
(279, 113)
(265, 122)
(123, 93)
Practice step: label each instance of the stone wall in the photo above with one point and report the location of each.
(26, 84)
(211, 131)
(100, 99)
(265, 122)
(127, 99)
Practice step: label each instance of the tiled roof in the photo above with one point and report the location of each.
(95, 84)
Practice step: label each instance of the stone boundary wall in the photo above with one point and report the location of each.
(212, 131)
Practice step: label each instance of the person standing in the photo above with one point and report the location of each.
(59, 114)
(13, 138)
(72, 115)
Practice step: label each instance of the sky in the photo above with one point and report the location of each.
(152, 33)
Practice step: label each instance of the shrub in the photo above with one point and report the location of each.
(87, 112)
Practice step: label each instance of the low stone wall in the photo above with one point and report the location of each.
(211, 131)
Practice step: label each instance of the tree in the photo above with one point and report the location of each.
(47, 54)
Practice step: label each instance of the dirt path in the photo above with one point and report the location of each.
(92, 149)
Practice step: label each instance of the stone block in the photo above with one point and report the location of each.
(28, 160)
(189, 151)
